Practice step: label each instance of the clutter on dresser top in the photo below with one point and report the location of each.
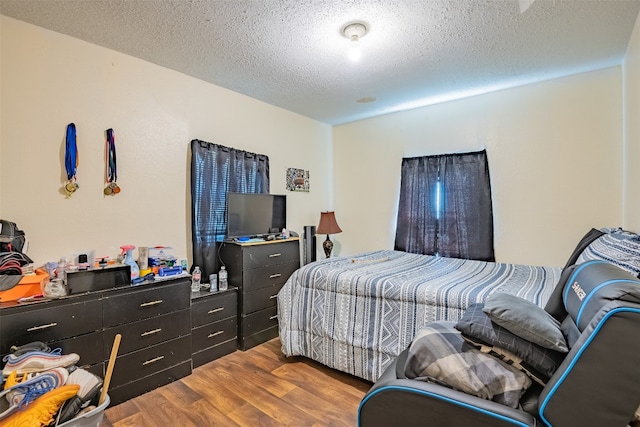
(84, 272)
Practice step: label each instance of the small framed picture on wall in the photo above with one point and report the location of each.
(297, 180)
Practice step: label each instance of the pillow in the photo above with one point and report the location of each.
(618, 230)
(439, 354)
(526, 320)
(620, 249)
(476, 325)
(592, 235)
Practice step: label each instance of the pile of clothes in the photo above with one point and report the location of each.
(43, 387)
(12, 259)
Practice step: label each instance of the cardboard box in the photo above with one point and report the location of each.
(161, 256)
(162, 252)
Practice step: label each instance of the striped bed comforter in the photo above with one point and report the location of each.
(357, 314)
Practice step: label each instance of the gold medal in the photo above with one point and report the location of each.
(111, 189)
(70, 188)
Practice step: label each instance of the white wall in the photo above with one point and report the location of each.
(555, 159)
(631, 73)
(49, 80)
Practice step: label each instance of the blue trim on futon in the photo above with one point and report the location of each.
(437, 396)
(575, 359)
(594, 290)
(567, 285)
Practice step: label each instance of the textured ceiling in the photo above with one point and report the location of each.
(291, 53)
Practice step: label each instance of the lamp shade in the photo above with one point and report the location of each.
(328, 224)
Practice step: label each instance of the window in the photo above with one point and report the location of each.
(215, 171)
(445, 206)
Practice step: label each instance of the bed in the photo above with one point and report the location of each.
(356, 314)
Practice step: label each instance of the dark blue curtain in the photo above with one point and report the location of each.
(215, 171)
(445, 206)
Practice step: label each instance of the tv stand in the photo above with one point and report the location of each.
(259, 269)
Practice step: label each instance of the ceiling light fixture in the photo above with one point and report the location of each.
(354, 32)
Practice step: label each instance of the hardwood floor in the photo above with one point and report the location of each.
(258, 387)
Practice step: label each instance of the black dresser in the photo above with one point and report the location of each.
(214, 325)
(259, 269)
(154, 321)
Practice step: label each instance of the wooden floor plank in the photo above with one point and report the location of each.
(258, 397)
(215, 393)
(321, 409)
(258, 387)
(180, 393)
(159, 410)
(203, 413)
(274, 385)
(312, 378)
(264, 361)
(249, 415)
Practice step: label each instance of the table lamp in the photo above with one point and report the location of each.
(328, 225)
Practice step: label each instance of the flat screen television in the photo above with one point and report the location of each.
(255, 214)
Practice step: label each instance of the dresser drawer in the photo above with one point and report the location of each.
(119, 394)
(214, 334)
(145, 333)
(141, 363)
(259, 320)
(213, 308)
(201, 357)
(250, 341)
(261, 298)
(143, 304)
(49, 324)
(267, 276)
(270, 254)
(88, 346)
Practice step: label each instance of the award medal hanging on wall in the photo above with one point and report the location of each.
(111, 188)
(71, 160)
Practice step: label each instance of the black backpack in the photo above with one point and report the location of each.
(12, 239)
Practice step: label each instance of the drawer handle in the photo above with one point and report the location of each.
(274, 255)
(273, 276)
(148, 304)
(273, 317)
(273, 296)
(37, 328)
(215, 310)
(155, 331)
(215, 334)
(155, 359)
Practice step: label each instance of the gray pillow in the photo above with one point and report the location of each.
(476, 326)
(526, 320)
(439, 354)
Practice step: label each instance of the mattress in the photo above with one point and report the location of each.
(356, 314)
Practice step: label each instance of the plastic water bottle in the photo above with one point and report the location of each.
(195, 280)
(61, 270)
(223, 284)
